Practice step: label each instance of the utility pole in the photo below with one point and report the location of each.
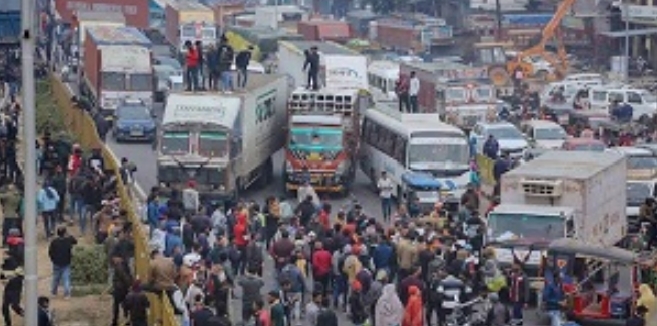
(29, 129)
(498, 17)
(626, 60)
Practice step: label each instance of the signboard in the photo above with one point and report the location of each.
(345, 71)
(642, 12)
(467, 74)
(187, 108)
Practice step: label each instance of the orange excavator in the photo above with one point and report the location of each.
(551, 31)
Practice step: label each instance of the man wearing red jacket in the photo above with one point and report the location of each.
(321, 263)
(191, 61)
(240, 231)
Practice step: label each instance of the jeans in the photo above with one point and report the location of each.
(404, 101)
(48, 222)
(386, 208)
(516, 314)
(226, 81)
(339, 289)
(192, 78)
(61, 274)
(312, 79)
(242, 76)
(555, 317)
(77, 207)
(413, 101)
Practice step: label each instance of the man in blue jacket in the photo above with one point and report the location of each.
(553, 298)
(491, 147)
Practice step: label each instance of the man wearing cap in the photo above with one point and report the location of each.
(312, 65)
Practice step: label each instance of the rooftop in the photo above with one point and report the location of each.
(118, 35)
(578, 165)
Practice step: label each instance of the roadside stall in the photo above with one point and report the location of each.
(601, 282)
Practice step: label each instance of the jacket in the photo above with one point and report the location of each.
(191, 58)
(61, 250)
(11, 202)
(321, 263)
(413, 312)
(242, 59)
(240, 231)
(251, 286)
(406, 254)
(382, 256)
(552, 297)
(48, 199)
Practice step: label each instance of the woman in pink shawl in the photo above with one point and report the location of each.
(389, 310)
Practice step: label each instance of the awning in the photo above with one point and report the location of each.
(632, 32)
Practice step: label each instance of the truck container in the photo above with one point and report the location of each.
(323, 137)
(324, 30)
(88, 19)
(340, 67)
(395, 34)
(117, 66)
(189, 21)
(224, 142)
(136, 12)
(10, 23)
(559, 194)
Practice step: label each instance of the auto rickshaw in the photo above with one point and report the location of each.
(600, 282)
(421, 190)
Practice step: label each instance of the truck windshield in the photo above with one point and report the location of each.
(188, 31)
(641, 163)
(212, 144)
(113, 81)
(483, 93)
(314, 139)
(141, 82)
(455, 94)
(637, 192)
(505, 227)
(438, 153)
(175, 143)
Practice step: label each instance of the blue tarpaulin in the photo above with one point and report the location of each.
(527, 20)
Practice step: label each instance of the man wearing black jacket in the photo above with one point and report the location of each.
(12, 295)
(44, 317)
(61, 253)
(312, 64)
(242, 64)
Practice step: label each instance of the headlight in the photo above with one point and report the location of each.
(342, 168)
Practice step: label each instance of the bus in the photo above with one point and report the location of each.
(399, 143)
(382, 76)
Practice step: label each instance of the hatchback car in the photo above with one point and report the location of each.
(544, 133)
(134, 122)
(511, 141)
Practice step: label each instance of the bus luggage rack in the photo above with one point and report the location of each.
(332, 102)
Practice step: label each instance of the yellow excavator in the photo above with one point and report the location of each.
(551, 31)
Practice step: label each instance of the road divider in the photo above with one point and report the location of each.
(81, 123)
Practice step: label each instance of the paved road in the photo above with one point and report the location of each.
(145, 158)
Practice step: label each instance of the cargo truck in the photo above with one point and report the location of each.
(340, 67)
(88, 19)
(559, 194)
(322, 141)
(10, 23)
(189, 21)
(117, 66)
(223, 142)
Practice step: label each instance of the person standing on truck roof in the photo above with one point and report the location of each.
(413, 91)
(242, 64)
(312, 64)
(201, 61)
(401, 88)
(213, 67)
(226, 55)
(385, 186)
(191, 61)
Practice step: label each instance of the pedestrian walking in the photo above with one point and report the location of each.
(60, 252)
(11, 297)
(47, 201)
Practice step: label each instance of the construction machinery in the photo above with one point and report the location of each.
(525, 59)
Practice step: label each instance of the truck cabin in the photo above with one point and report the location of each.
(198, 31)
(421, 191)
(601, 280)
(467, 102)
(316, 135)
(194, 151)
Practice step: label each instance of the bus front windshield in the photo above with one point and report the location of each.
(512, 226)
(423, 153)
(316, 139)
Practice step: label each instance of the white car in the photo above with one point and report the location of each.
(509, 138)
(544, 133)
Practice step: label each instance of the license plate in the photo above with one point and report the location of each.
(136, 133)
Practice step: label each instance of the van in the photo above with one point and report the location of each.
(570, 89)
(585, 78)
(642, 101)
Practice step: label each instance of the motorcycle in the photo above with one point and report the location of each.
(460, 315)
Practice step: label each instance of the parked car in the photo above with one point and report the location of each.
(544, 133)
(134, 122)
(510, 139)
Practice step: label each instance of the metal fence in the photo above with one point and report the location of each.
(81, 124)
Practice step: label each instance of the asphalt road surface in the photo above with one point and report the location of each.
(145, 159)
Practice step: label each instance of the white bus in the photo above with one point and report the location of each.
(414, 142)
(383, 76)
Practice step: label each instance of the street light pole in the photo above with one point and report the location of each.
(626, 13)
(30, 189)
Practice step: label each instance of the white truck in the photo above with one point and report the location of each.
(87, 19)
(340, 67)
(117, 66)
(189, 21)
(224, 142)
(559, 194)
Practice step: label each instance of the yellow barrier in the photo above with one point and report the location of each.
(82, 125)
(239, 43)
(485, 165)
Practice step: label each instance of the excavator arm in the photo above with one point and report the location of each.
(550, 31)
